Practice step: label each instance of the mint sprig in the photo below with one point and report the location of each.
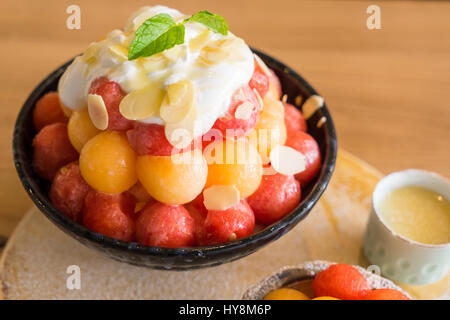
(160, 32)
(214, 22)
(155, 35)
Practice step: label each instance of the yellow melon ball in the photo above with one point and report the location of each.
(270, 131)
(234, 162)
(175, 179)
(108, 163)
(286, 294)
(326, 298)
(81, 129)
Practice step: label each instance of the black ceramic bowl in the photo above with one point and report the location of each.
(180, 258)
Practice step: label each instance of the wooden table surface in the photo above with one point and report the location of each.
(388, 89)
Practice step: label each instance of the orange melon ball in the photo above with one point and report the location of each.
(286, 294)
(270, 131)
(175, 179)
(81, 129)
(234, 162)
(325, 298)
(108, 163)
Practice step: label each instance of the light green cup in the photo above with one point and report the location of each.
(399, 258)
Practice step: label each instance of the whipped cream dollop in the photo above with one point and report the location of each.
(216, 65)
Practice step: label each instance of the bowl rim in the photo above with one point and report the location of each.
(298, 214)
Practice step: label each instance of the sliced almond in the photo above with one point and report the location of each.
(141, 104)
(287, 160)
(179, 100)
(321, 122)
(175, 53)
(200, 41)
(90, 53)
(221, 197)
(119, 51)
(219, 51)
(180, 134)
(153, 63)
(97, 111)
(311, 105)
(244, 111)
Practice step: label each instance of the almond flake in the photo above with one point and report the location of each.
(153, 63)
(119, 51)
(181, 134)
(221, 197)
(141, 104)
(244, 111)
(177, 103)
(175, 53)
(97, 111)
(199, 41)
(310, 106)
(298, 101)
(321, 122)
(287, 160)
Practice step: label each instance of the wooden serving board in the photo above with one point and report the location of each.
(35, 260)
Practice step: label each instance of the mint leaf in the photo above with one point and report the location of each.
(155, 35)
(214, 22)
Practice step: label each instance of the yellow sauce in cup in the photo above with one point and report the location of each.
(418, 214)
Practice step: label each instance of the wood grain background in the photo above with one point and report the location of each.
(388, 90)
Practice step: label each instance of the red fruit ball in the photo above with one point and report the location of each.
(259, 80)
(69, 190)
(226, 225)
(304, 143)
(110, 214)
(232, 126)
(112, 95)
(47, 111)
(340, 281)
(163, 225)
(150, 139)
(52, 150)
(276, 197)
(293, 119)
(385, 294)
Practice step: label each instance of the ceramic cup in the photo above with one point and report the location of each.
(399, 258)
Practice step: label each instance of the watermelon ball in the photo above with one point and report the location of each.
(277, 196)
(340, 281)
(259, 80)
(293, 119)
(69, 190)
(52, 150)
(239, 124)
(162, 225)
(47, 111)
(221, 226)
(112, 95)
(304, 143)
(150, 139)
(385, 294)
(110, 214)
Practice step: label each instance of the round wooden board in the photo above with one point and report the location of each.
(35, 261)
